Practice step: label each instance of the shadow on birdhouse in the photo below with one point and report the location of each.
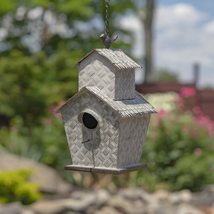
(107, 120)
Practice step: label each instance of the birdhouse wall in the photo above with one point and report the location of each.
(98, 154)
(125, 85)
(118, 84)
(94, 71)
(131, 139)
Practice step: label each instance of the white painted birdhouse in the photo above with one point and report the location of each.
(107, 120)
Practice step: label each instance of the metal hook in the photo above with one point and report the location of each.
(107, 41)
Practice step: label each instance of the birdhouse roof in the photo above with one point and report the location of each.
(126, 108)
(116, 57)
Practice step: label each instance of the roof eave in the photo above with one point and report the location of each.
(115, 65)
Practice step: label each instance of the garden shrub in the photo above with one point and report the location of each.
(15, 186)
(178, 151)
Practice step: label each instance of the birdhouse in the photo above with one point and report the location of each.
(107, 120)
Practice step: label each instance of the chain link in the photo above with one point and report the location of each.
(107, 15)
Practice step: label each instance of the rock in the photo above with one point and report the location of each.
(46, 177)
(210, 188)
(125, 206)
(204, 198)
(13, 208)
(132, 193)
(97, 198)
(162, 195)
(107, 210)
(161, 209)
(102, 197)
(49, 207)
(184, 196)
(138, 194)
(27, 211)
(187, 209)
(79, 202)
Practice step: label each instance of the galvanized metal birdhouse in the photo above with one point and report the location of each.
(107, 120)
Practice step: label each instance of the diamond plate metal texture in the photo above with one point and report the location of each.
(131, 139)
(125, 108)
(107, 91)
(117, 142)
(85, 154)
(116, 84)
(116, 57)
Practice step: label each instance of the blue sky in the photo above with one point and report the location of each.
(206, 6)
(184, 34)
(190, 38)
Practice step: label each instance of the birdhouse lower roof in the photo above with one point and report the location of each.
(126, 108)
(116, 57)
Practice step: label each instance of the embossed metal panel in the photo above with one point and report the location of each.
(107, 120)
(90, 154)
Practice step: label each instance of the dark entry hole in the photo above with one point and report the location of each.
(89, 121)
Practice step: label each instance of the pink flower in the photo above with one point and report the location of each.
(179, 102)
(187, 92)
(197, 110)
(162, 113)
(205, 122)
(198, 152)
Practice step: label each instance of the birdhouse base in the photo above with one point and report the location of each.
(105, 170)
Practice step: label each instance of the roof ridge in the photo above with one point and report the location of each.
(125, 108)
(116, 57)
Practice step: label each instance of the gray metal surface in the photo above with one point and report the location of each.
(120, 139)
(96, 70)
(125, 108)
(105, 170)
(116, 57)
(106, 92)
(86, 154)
(132, 135)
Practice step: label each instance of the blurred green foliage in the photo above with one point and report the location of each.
(15, 186)
(164, 75)
(29, 85)
(8, 6)
(46, 25)
(47, 143)
(178, 153)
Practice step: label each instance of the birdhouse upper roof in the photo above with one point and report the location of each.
(116, 57)
(125, 108)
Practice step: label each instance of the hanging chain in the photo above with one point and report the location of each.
(107, 16)
(106, 37)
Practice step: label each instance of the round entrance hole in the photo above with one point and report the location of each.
(89, 121)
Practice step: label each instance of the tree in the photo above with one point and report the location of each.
(34, 25)
(37, 64)
(47, 25)
(148, 29)
(147, 18)
(165, 74)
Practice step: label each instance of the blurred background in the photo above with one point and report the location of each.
(40, 43)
